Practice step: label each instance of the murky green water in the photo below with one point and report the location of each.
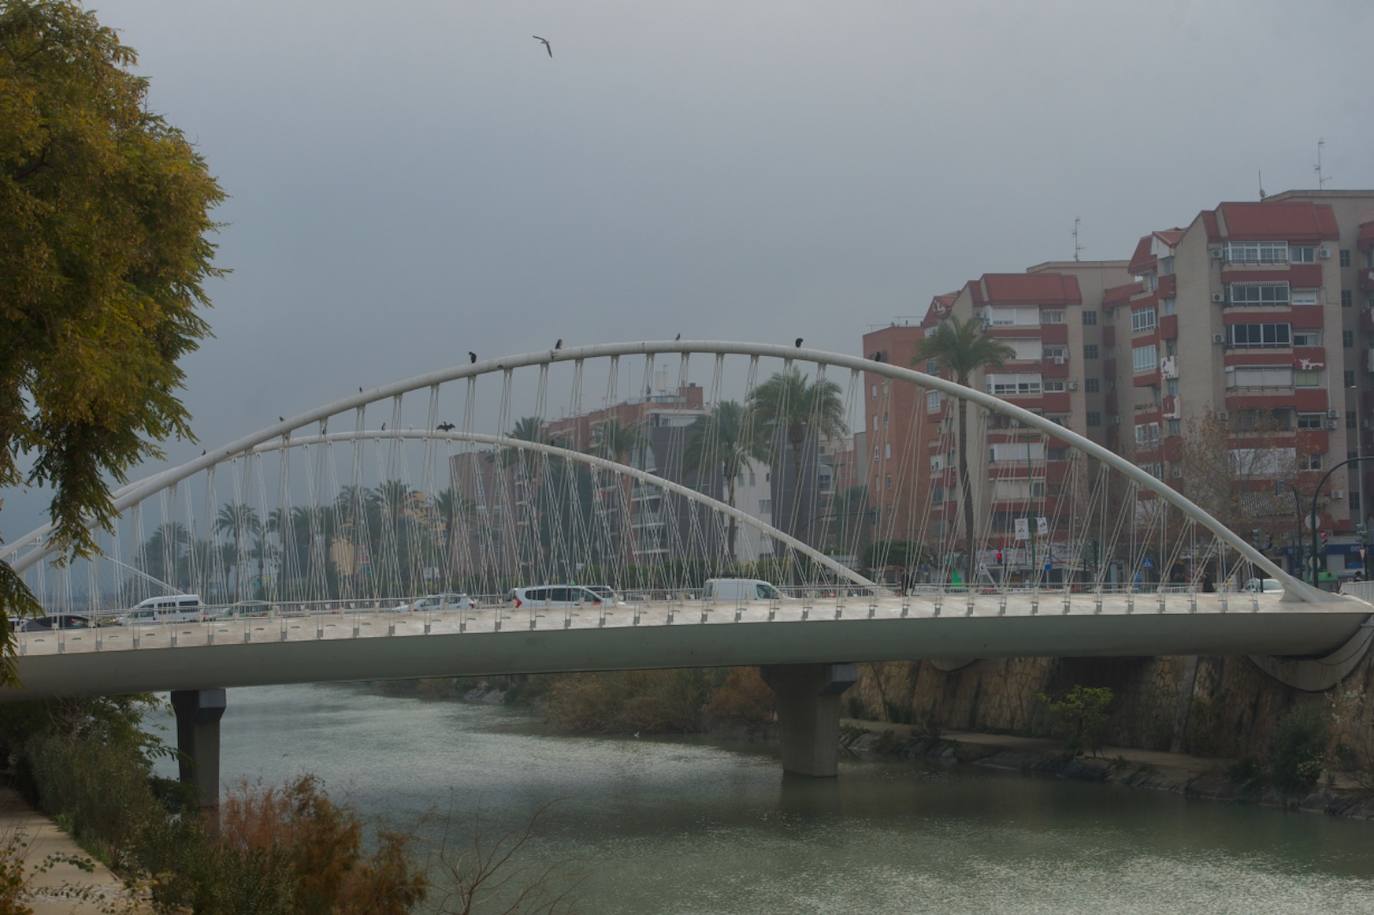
(664, 826)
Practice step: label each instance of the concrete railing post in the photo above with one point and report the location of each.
(808, 700)
(198, 713)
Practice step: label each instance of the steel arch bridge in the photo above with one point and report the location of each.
(629, 466)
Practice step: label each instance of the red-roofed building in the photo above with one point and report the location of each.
(1240, 315)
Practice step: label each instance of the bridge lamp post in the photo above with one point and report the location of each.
(1313, 517)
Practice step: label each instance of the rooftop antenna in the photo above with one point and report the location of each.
(1076, 246)
(1321, 180)
(1261, 185)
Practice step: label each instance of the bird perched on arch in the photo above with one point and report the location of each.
(559, 344)
(545, 42)
(472, 358)
(797, 343)
(445, 427)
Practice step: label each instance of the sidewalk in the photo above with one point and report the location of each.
(53, 888)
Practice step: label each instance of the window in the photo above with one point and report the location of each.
(1148, 282)
(1350, 419)
(1025, 350)
(1052, 316)
(1345, 257)
(1347, 300)
(873, 391)
(1257, 252)
(1266, 462)
(1053, 386)
(1258, 335)
(875, 422)
(1259, 376)
(1167, 305)
(932, 401)
(1016, 452)
(1013, 384)
(1089, 317)
(1011, 317)
(1349, 378)
(1308, 378)
(1142, 320)
(1147, 435)
(1144, 359)
(1305, 297)
(1166, 266)
(1310, 462)
(1054, 351)
(887, 481)
(765, 505)
(887, 450)
(1171, 387)
(1259, 294)
(1094, 418)
(1307, 338)
(1311, 421)
(1091, 385)
(932, 366)
(1090, 351)
(1174, 427)
(1347, 338)
(1302, 254)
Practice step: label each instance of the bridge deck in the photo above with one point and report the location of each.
(379, 644)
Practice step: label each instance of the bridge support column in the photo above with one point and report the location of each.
(808, 698)
(198, 713)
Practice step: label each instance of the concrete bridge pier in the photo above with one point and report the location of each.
(198, 713)
(808, 698)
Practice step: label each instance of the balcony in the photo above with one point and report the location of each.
(1367, 280)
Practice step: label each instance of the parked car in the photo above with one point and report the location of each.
(606, 593)
(743, 589)
(1264, 585)
(546, 597)
(449, 600)
(49, 623)
(171, 608)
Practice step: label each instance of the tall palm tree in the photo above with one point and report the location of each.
(238, 520)
(960, 348)
(789, 411)
(718, 439)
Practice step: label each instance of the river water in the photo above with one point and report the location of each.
(639, 826)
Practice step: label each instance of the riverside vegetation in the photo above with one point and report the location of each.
(275, 850)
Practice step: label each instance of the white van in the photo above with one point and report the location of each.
(172, 608)
(740, 589)
(557, 597)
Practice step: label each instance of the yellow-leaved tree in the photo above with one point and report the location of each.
(104, 250)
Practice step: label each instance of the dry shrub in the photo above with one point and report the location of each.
(321, 843)
(742, 697)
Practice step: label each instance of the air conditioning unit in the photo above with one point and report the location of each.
(1073, 386)
(1168, 366)
(1338, 494)
(1217, 253)
(1332, 414)
(1116, 420)
(1331, 425)
(1324, 253)
(1218, 338)
(1059, 360)
(1222, 417)
(1219, 297)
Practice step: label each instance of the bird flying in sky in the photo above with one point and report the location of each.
(545, 42)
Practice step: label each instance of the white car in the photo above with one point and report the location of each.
(449, 600)
(545, 597)
(739, 589)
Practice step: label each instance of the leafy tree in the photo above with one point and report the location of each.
(960, 348)
(719, 439)
(1080, 717)
(238, 520)
(104, 250)
(616, 441)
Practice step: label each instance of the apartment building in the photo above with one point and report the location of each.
(1237, 318)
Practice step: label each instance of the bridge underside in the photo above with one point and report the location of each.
(372, 646)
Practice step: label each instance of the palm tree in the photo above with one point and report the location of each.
(960, 348)
(237, 519)
(849, 514)
(789, 410)
(718, 438)
(616, 441)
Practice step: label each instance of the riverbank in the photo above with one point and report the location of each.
(1177, 773)
(61, 878)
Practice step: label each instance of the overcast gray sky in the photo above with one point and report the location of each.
(412, 180)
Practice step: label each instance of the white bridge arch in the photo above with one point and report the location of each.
(30, 548)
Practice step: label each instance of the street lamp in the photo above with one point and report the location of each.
(1317, 492)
